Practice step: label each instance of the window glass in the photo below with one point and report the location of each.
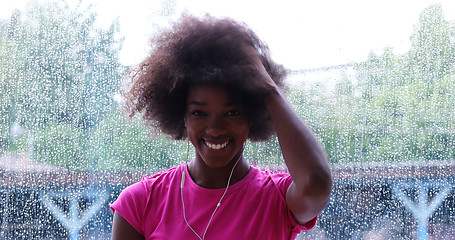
(375, 81)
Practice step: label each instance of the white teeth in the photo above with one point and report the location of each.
(216, 146)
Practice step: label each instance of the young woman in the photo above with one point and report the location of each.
(212, 81)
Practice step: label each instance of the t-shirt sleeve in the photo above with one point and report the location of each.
(131, 203)
(283, 181)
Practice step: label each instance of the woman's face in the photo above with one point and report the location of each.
(216, 124)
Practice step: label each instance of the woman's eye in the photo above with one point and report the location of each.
(233, 113)
(197, 113)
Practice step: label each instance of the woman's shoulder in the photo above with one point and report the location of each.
(264, 172)
(163, 179)
(164, 175)
(156, 184)
(276, 178)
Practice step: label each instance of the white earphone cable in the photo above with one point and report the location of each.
(217, 205)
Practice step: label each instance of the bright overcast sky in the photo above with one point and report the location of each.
(300, 34)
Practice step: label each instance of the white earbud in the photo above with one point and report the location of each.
(183, 180)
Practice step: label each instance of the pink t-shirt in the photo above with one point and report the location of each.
(253, 208)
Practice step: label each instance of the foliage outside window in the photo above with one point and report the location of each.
(61, 83)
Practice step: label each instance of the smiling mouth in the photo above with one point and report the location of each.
(216, 146)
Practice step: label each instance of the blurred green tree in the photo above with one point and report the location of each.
(407, 101)
(396, 107)
(57, 70)
(120, 142)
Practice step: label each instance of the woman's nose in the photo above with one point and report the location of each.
(216, 127)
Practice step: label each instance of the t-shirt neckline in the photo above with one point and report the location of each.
(189, 182)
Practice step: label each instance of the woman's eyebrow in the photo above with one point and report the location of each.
(194, 102)
(197, 103)
(230, 104)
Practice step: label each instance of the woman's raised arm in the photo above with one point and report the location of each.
(304, 156)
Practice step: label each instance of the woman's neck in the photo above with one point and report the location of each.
(215, 178)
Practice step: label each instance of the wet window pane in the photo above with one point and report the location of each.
(375, 82)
